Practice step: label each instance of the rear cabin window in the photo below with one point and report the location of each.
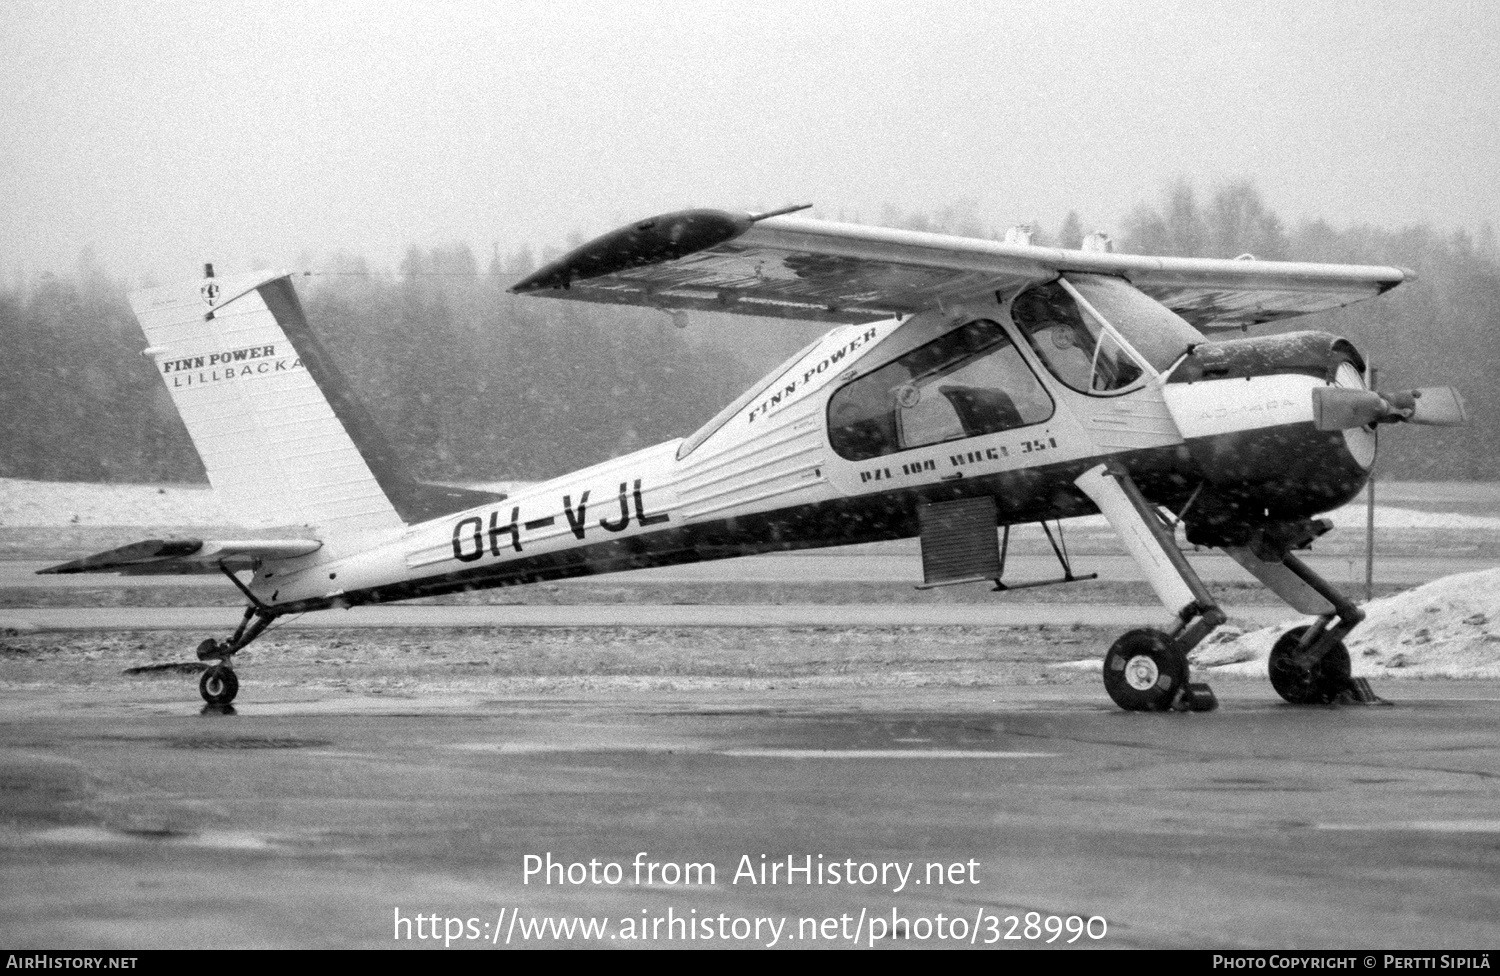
(969, 382)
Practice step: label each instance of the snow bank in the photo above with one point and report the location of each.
(1449, 628)
(1352, 518)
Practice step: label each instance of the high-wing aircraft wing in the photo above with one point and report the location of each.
(797, 268)
(173, 556)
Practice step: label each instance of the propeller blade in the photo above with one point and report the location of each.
(1438, 406)
(1340, 408)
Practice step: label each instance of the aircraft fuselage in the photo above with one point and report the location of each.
(846, 441)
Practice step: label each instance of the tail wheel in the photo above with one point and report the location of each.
(1144, 670)
(218, 686)
(1318, 685)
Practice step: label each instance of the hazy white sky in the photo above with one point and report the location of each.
(164, 134)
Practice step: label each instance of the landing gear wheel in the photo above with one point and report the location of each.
(218, 686)
(1318, 685)
(1144, 670)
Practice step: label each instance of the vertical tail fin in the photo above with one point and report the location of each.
(281, 435)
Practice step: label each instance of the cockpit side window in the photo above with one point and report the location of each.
(970, 381)
(1075, 345)
(1099, 334)
(1155, 333)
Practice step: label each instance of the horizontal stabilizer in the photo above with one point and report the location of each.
(184, 556)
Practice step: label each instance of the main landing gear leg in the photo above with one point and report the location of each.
(1310, 665)
(1147, 669)
(219, 684)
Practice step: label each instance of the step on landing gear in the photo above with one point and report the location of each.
(219, 684)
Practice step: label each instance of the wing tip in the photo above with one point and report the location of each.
(655, 240)
(1407, 275)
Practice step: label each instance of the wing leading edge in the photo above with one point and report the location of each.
(799, 268)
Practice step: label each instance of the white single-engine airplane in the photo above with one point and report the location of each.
(968, 386)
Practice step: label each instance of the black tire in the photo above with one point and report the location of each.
(218, 686)
(1319, 685)
(1144, 670)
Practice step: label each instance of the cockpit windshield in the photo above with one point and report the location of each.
(1099, 335)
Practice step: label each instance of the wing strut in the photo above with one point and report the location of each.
(254, 600)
